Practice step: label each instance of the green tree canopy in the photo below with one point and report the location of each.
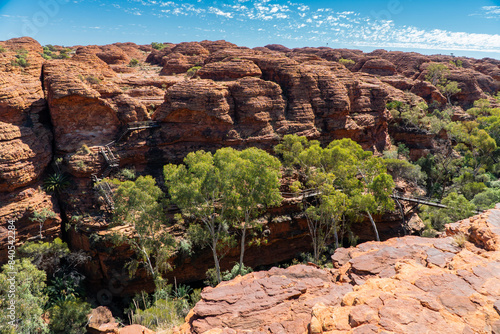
(138, 204)
(458, 207)
(255, 183)
(349, 179)
(437, 73)
(486, 199)
(28, 297)
(449, 89)
(200, 190)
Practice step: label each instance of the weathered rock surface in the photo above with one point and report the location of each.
(89, 102)
(276, 301)
(25, 144)
(403, 285)
(25, 140)
(231, 69)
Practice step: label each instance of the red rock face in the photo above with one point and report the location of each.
(402, 285)
(229, 70)
(380, 67)
(25, 144)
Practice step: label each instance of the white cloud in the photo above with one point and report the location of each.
(325, 24)
(489, 12)
(219, 12)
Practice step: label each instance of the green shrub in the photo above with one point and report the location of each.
(2, 49)
(481, 108)
(395, 105)
(158, 46)
(162, 315)
(63, 54)
(133, 62)
(164, 309)
(346, 62)
(55, 183)
(69, 317)
(92, 79)
(429, 233)
(192, 71)
(405, 170)
(471, 189)
(127, 173)
(185, 247)
(457, 63)
(21, 59)
(226, 275)
(403, 151)
(181, 292)
(64, 288)
(45, 255)
(229, 275)
(458, 207)
(195, 297)
(487, 199)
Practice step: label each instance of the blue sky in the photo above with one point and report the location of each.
(470, 28)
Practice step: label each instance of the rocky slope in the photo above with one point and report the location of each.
(403, 285)
(200, 95)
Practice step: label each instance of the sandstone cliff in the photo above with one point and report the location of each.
(198, 95)
(25, 142)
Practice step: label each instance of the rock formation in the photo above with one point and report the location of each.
(68, 109)
(25, 142)
(403, 285)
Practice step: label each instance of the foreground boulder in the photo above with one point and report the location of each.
(403, 285)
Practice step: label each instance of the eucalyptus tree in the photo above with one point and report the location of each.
(254, 185)
(344, 176)
(139, 204)
(199, 189)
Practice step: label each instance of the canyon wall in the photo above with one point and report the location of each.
(186, 97)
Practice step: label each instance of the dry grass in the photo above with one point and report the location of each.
(459, 240)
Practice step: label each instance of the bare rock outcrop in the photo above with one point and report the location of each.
(276, 301)
(89, 102)
(229, 70)
(379, 66)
